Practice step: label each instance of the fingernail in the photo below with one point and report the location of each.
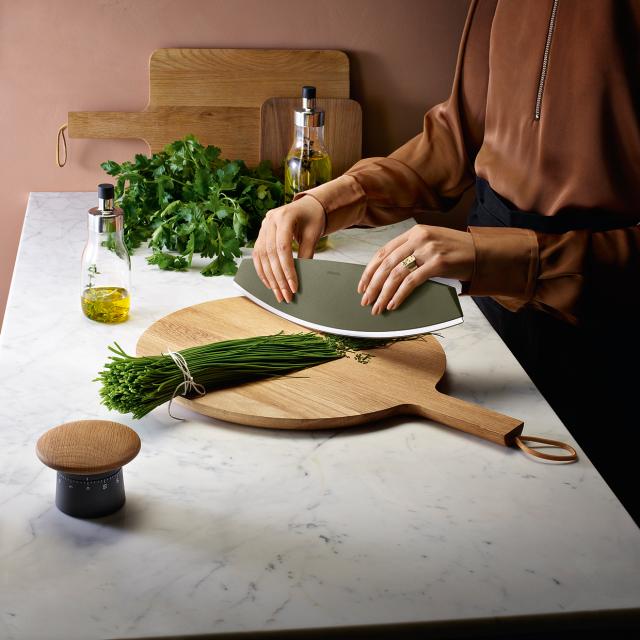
(286, 295)
(365, 301)
(360, 288)
(293, 285)
(277, 294)
(391, 306)
(374, 311)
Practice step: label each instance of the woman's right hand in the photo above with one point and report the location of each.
(304, 220)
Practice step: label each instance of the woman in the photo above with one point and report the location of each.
(544, 120)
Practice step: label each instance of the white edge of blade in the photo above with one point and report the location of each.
(345, 332)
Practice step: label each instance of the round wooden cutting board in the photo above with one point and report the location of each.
(400, 379)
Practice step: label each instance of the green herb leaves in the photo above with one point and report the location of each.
(186, 200)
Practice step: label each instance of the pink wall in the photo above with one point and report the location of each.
(72, 55)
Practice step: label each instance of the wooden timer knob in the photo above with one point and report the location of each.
(88, 456)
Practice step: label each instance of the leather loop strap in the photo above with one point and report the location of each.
(60, 162)
(572, 457)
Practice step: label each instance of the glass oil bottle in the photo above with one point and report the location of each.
(307, 164)
(106, 266)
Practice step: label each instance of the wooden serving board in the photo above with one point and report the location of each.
(343, 131)
(400, 379)
(216, 94)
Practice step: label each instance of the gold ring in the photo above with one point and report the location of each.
(410, 263)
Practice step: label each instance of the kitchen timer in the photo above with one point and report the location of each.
(88, 456)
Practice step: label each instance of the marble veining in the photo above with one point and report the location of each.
(228, 528)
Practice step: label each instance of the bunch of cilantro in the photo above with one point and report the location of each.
(186, 200)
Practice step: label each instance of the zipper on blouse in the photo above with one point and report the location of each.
(545, 59)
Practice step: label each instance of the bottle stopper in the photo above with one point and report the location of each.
(308, 98)
(106, 195)
(308, 116)
(88, 456)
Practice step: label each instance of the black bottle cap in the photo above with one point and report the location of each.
(105, 191)
(308, 92)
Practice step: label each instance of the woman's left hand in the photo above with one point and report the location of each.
(438, 251)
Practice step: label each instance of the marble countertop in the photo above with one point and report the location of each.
(229, 528)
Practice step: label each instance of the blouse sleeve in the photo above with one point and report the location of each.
(571, 275)
(434, 168)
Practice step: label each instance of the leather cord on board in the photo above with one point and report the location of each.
(59, 162)
(572, 457)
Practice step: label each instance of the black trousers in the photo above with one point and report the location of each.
(587, 374)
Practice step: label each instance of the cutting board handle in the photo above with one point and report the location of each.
(490, 425)
(469, 417)
(108, 124)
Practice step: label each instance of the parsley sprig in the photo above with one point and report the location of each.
(187, 200)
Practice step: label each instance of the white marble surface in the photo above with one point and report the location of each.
(229, 528)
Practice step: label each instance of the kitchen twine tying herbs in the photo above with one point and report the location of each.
(188, 385)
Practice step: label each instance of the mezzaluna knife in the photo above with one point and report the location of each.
(327, 300)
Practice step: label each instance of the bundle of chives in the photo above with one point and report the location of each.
(137, 385)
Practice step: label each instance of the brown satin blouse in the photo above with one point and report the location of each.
(545, 106)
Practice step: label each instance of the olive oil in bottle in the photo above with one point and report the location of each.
(305, 172)
(307, 164)
(106, 267)
(106, 304)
